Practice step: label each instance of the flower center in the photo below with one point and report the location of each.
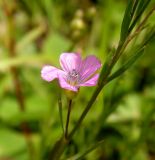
(73, 77)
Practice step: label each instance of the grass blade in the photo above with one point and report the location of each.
(126, 20)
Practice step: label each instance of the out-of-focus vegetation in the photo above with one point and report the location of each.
(34, 33)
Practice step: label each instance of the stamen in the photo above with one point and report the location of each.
(73, 77)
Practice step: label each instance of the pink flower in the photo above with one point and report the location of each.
(75, 71)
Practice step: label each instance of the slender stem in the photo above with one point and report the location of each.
(60, 113)
(84, 113)
(58, 149)
(68, 118)
(60, 145)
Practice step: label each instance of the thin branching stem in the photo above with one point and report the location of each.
(87, 108)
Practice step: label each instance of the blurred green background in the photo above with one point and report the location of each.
(34, 33)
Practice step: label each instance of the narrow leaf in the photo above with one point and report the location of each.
(142, 5)
(126, 20)
(106, 69)
(127, 65)
(135, 5)
(141, 8)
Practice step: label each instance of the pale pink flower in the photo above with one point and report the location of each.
(75, 71)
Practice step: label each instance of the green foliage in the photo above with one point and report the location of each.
(117, 121)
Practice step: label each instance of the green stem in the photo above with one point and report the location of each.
(58, 149)
(60, 145)
(89, 105)
(68, 118)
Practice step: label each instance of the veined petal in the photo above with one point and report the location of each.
(63, 83)
(89, 66)
(49, 73)
(91, 82)
(70, 61)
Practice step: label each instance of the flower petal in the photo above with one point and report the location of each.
(49, 73)
(90, 65)
(63, 83)
(70, 61)
(91, 82)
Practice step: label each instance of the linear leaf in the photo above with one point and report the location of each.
(105, 69)
(141, 8)
(135, 5)
(142, 5)
(127, 65)
(126, 20)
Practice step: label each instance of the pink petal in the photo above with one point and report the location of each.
(70, 61)
(63, 83)
(49, 73)
(90, 65)
(91, 82)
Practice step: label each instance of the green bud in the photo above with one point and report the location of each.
(79, 14)
(77, 24)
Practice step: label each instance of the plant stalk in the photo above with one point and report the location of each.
(68, 118)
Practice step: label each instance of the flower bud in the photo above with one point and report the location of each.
(77, 24)
(79, 14)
